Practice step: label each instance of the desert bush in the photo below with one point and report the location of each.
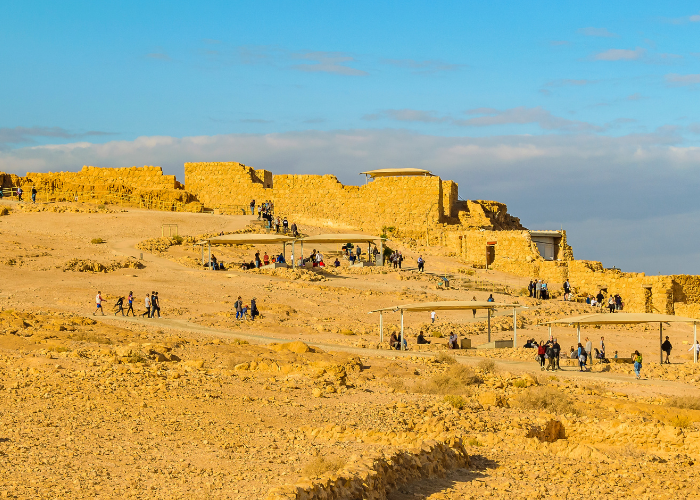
(681, 421)
(456, 380)
(520, 383)
(347, 332)
(445, 357)
(319, 465)
(101, 207)
(137, 357)
(5, 211)
(546, 398)
(436, 334)
(397, 384)
(487, 365)
(240, 342)
(685, 402)
(474, 442)
(455, 401)
(97, 241)
(177, 239)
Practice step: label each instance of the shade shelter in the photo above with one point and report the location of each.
(451, 305)
(246, 239)
(340, 238)
(628, 319)
(396, 172)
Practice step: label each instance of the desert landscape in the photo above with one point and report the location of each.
(306, 402)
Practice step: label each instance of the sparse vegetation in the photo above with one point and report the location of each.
(685, 402)
(487, 365)
(137, 357)
(445, 357)
(320, 465)
(456, 380)
(474, 442)
(455, 401)
(520, 383)
(681, 421)
(437, 334)
(546, 398)
(102, 207)
(97, 241)
(177, 239)
(4, 211)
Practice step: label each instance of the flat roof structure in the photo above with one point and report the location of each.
(246, 239)
(340, 238)
(448, 305)
(397, 172)
(628, 319)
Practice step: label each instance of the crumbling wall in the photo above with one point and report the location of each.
(147, 177)
(227, 183)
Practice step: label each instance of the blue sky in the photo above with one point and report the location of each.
(575, 114)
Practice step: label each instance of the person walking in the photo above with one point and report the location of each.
(19, 197)
(541, 352)
(581, 354)
(147, 303)
(695, 349)
(602, 346)
(130, 303)
(98, 303)
(551, 356)
(238, 305)
(252, 207)
(567, 290)
(253, 309)
(33, 194)
(399, 259)
(589, 348)
(666, 347)
(433, 316)
(637, 358)
(421, 264)
(474, 310)
(157, 304)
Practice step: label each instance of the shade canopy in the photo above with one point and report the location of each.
(340, 238)
(397, 172)
(446, 306)
(622, 319)
(247, 239)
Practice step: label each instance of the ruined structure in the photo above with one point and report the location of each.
(419, 207)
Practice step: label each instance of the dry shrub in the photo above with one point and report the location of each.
(177, 239)
(445, 357)
(685, 402)
(455, 401)
(97, 241)
(319, 465)
(520, 383)
(546, 398)
(456, 380)
(487, 365)
(681, 421)
(474, 442)
(437, 334)
(397, 384)
(5, 211)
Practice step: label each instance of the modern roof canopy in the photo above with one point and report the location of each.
(628, 319)
(340, 238)
(247, 239)
(446, 306)
(397, 172)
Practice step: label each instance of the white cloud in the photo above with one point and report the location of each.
(597, 32)
(424, 67)
(328, 62)
(694, 18)
(620, 55)
(677, 80)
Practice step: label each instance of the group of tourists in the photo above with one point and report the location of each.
(266, 212)
(547, 352)
(151, 303)
(20, 192)
(537, 289)
(613, 303)
(395, 259)
(243, 311)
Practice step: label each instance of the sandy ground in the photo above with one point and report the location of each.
(115, 407)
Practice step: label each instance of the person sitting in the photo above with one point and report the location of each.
(573, 354)
(452, 343)
(280, 259)
(394, 341)
(598, 354)
(421, 339)
(490, 299)
(266, 259)
(337, 262)
(351, 258)
(528, 344)
(588, 300)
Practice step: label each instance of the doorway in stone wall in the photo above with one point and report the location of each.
(490, 253)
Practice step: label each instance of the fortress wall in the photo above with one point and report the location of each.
(515, 246)
(400, 202)
(450, 195)
(223, 184)
(146, 177)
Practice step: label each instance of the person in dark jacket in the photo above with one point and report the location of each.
(556, 348)
(666, 347)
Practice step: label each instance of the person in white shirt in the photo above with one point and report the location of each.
(696, 348)
(147, 303)
(98, 302)
(433, 316)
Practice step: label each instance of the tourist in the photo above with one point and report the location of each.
(544, 291)
(259, 211)
(358, 250)
(266, 259)
(147, 303)
(531, 288)
(433, 316)
(375, 253)
(581, 354)
(421, 339)
(33, 194)
(278, 223)
(474, 310)
(557, 352)
(637, 358)
(119, 306)
(19, 198)
(589, 347)
(572, 353)
(238, 306)
(541, 352)
(602, 346)
(615, 355)
(394, 341)
(319, 259)
(212, 263)
(337, 262)
(597, 354)
(98, 302)
(618, 302)
(588, 300)
(421, 264)
(257, 260)
(490, 299)
(254, 309)
(452, 341)
(399, 259)
(600, 298)
(528, 344)
(285, 225)
(549, 352)
(155, 305)
(695, 349)
(351, 258)
(538, 289)
(666, 347)
(293, 228)
(252, 207)
(130, 302)
(244, 313)
(611, 304)
(567, 289)
(282, 260)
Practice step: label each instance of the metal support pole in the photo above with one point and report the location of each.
(294, 264)
(209, 243)
(402, 329)
(381, 326)
(302, 254)
(202, 247)
(578, 331)
(488, 323)
(515, 330)
(695, 342)
(661, 341)
(550, 332)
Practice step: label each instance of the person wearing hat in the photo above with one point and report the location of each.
(253, 309)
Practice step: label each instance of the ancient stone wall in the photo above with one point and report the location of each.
(227, 184)
(513, 246)
(450, 196)
(146, 177)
